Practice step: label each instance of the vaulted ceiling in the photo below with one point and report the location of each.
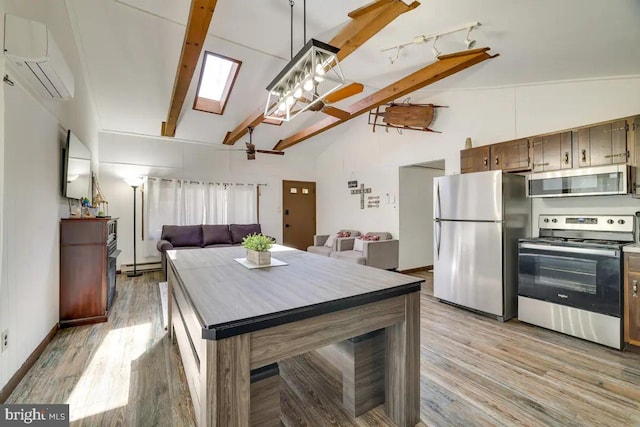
(130, 50)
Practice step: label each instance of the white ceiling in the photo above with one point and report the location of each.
(131, 49)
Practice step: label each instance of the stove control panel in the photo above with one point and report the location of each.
(614, 223)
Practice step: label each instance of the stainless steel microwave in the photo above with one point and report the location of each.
(594, 181)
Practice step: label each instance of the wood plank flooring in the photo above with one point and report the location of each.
(475, 371)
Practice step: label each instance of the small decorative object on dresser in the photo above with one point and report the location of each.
(257, 246)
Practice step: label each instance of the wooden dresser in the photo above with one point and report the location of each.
(88, 252)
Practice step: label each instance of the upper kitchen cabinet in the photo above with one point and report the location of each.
(604, 144)
(474, 159)
(633, 140)
(552, 152)
(511, 156)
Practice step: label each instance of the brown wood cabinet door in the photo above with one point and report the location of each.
(474, 159)
(600, 145)
(632, 308)
(511, 155)
(584, 159)
(633, 143)
(538, 149)
(566, 150)
(546, 153)
(496, 156)
(84, 290)
(619, 153)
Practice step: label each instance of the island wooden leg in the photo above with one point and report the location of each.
(227, 397)
(402, 380)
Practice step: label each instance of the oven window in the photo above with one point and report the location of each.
(590, 281)
(569, 273)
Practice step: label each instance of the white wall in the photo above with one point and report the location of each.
(486, 115)
(30, 234)
(30, 129)
(415, 205)
(131, 155)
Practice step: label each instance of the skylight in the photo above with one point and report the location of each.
(216, 80)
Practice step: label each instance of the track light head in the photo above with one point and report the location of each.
(468, 41)
(434, 49)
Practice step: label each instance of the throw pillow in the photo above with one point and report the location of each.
(358, 245)
(330, 240)
(371, 237)
(344, 234)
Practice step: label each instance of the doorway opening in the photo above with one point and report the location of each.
(415, 208)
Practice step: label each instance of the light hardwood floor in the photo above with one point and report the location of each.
(475, 371)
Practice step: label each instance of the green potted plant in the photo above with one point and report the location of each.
(257, 246)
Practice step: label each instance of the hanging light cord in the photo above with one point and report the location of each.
(304, 14)
(291, 3)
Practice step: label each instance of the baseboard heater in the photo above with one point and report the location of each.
(145, 266)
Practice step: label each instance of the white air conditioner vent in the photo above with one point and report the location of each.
(35, 55)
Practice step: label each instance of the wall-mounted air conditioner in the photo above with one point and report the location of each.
(29, 46)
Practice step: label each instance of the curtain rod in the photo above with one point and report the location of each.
(204, 182)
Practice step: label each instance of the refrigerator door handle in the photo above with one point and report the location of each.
(438, 207)
(438, 238)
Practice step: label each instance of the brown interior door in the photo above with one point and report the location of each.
(298, 213)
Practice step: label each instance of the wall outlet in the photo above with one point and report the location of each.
(5, 339)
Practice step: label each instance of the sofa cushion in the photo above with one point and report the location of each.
(240, 231)
(353, 256)
(319, 250)
(215, 234)
(220, 245)
(330, 241)
(183, 235)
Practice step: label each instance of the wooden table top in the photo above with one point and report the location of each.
(232, 300)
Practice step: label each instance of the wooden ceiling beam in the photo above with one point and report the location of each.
(365, 23)
(200, 16)
(445, 66)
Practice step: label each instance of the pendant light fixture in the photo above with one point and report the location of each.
(309, 77)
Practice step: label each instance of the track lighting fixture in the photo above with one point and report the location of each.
(434, 49)
(468, 41)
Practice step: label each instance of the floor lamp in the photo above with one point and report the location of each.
(134, 183)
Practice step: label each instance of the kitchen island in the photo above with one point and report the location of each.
(231, 321)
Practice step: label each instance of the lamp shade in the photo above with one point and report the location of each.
(134, 181)
(308, 78)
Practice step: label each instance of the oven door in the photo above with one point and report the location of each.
(580, 277)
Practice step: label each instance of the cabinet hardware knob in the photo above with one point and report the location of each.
(584, 155)
(497, 160)
(635, 288)
(540, 164)
(566, 157)
(486, 161)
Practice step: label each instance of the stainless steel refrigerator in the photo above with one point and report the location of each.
(478, 219)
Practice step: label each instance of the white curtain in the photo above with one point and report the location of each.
(162, 205)
(192, 203)
(241, 204)
(215, 203)
(179, 202)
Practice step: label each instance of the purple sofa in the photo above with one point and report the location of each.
(202, 236)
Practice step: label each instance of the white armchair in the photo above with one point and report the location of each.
(324, 244)
(382, 253)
